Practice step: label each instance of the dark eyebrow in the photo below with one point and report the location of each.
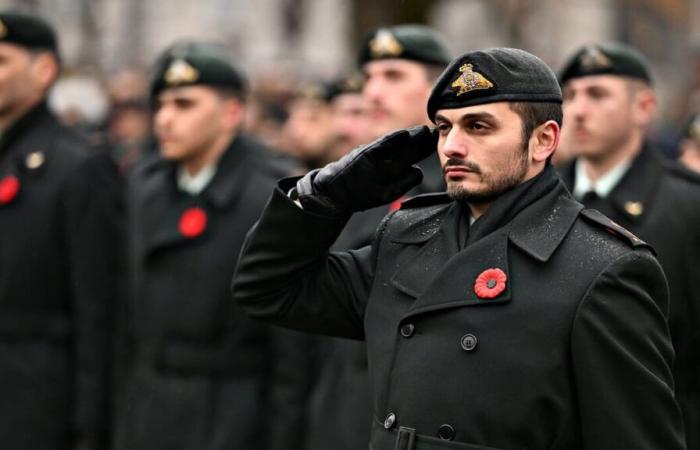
(469, 116)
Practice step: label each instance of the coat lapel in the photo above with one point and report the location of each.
(633, 195)
(231, 177)
(441, 277)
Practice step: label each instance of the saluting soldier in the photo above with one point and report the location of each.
(498, 315)
(609, 104)
(200, 374)
(59, 264)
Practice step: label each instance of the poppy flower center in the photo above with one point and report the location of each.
(491, 283)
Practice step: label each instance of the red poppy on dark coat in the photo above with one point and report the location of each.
(193, 222)
(490, 283)
(396, 204)
(9, 188)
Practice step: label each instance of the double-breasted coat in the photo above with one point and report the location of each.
(573, 353)
(60, 241)
(199, 371)
(658, 200)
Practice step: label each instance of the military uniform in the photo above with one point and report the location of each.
(59, 276)
(657, 200)
(199, 374)
(542, 325)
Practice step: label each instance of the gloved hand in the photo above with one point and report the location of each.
(369, 176)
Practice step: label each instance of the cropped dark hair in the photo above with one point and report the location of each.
(534, 114)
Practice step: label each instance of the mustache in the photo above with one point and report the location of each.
(471, 166)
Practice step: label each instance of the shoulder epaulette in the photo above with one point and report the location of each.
(422, 200)
(597, 218)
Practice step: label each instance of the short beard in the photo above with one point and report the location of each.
(495, 186)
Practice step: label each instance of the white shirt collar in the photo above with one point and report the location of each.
(195, 184)
(603, 185)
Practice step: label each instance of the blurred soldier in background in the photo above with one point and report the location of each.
(350, 122)
(200, 374)
(689, 146)
(609, 104)
(59, 264)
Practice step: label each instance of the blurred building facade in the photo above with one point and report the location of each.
(289, 38)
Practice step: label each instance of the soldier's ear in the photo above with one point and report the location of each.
(644, 106)
(44, 69)
(544, 141)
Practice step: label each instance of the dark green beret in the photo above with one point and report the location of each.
(28, 31)
(606, 59)
(196, 63)
(413, 42)
(493, 75)
(349, 84)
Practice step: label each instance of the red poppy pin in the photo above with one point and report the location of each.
(396, 204)
(9, 188)
(193, 222)
(490, 283)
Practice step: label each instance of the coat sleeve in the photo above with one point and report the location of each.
(622, 358)
(91, 218)
(287, 275)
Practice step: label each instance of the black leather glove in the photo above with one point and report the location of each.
(369, 176)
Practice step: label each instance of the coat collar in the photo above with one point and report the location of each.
(164, 204)
(440, 276)
(633, 195)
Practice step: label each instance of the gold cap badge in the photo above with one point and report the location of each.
(384, 44)
(593, 58)
(634, 208)
(180, 72)
(3, 30)
(468, 81)
(34, 160)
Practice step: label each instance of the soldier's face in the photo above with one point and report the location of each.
(603, 114)
(17, 78)
(482, 151)
(189, 121)
(350, 124)
(396, 92)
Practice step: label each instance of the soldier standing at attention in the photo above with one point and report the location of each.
(609, 104)
(497, 315)
(59, 257)
(199, 373)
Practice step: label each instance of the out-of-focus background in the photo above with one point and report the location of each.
(108, 44)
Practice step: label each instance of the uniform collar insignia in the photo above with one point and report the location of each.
(593, 58)
(634, 208)
(180, 72)
(468, 81)
(384, 44)
(3, 30)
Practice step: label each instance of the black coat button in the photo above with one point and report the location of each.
(390, 420)
(468, 342)
(407, 330)
(446, 432)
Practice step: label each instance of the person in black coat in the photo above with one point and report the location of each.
(59, 257)
(500, 315)
(608, 106)
(199, 374)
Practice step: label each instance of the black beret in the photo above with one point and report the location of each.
(413, 42)
(606, 59)
(349, 84)
(493, 75)
(28, 31)
(196, 63)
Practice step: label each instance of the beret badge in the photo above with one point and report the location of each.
(384, 44)
(468, 81)
(180, 72)
(593, 58)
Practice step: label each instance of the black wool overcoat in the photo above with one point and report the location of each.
(573, 353)
(659, 201)
(197, 372)
(60, 242)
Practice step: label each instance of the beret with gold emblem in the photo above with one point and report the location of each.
(190, 63)
(494, 75)
(606, 59)
(28, 31)
(412, 42)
